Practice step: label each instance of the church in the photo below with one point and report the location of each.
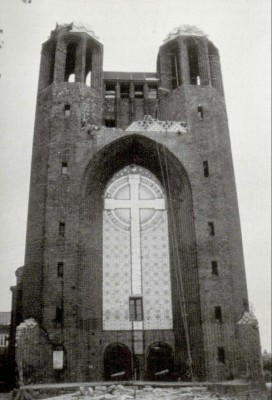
(134, 264)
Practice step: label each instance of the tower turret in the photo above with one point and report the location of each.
(69, 102)
(188, 57)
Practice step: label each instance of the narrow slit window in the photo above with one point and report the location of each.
(218, 313)
(67, 110)
(221, 355)
(61, 229)
(174, 71)
(60, 269)
(136, 309)
(200, 113)
(211, 228)
(206, 169)
(59, 315)
(214, 268)
(64, 168)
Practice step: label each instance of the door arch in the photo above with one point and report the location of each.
(160, 362)
(117, 362)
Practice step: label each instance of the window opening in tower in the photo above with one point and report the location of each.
(88, 79)
(70, 64)
(88, 65)
(52, 64)
(193, 64)
(174, 71)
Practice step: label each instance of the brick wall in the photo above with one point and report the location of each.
(75, 199)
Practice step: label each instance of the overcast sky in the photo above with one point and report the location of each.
(131, 32)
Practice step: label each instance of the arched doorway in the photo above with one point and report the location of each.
(117, 362)
(160, 362)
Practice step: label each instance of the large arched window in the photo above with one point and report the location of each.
(193, 63)
(136, 270)
(215, 69)
(88, 64)
(49, 53)
(175, 66)
(70, 64)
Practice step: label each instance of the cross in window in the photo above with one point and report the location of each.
(135, 204)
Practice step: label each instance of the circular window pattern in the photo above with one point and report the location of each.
(134, 197)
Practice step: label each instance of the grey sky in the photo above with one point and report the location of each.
(131, 32)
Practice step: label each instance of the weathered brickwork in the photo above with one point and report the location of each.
(80, 142)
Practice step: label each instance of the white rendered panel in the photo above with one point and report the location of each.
(116, 277)
(157, 303)
(135, 252)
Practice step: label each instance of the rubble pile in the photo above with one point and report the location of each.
(120, 392)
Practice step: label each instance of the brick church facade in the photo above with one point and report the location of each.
(134, 265)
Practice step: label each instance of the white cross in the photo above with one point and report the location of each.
(135, 204)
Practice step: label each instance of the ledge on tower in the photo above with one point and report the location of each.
(184, 30)
(75, 27)
(248, 318)
(154, 125)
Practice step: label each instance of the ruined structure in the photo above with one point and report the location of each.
(134, 266)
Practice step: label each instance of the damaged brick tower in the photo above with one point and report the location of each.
(134, 266)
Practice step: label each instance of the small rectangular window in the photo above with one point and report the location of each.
(214, 268)
(211, 228)
(60, 269)
(136, 309)
(110, 123)
(139, 91)
(124, 90)
(221, 355)
(67, 110)
(4, 340)
(206, 169)
(64, 168)
(61, 229)
(59, 315)
(200, 112)
(110, 90)
(218, 313)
